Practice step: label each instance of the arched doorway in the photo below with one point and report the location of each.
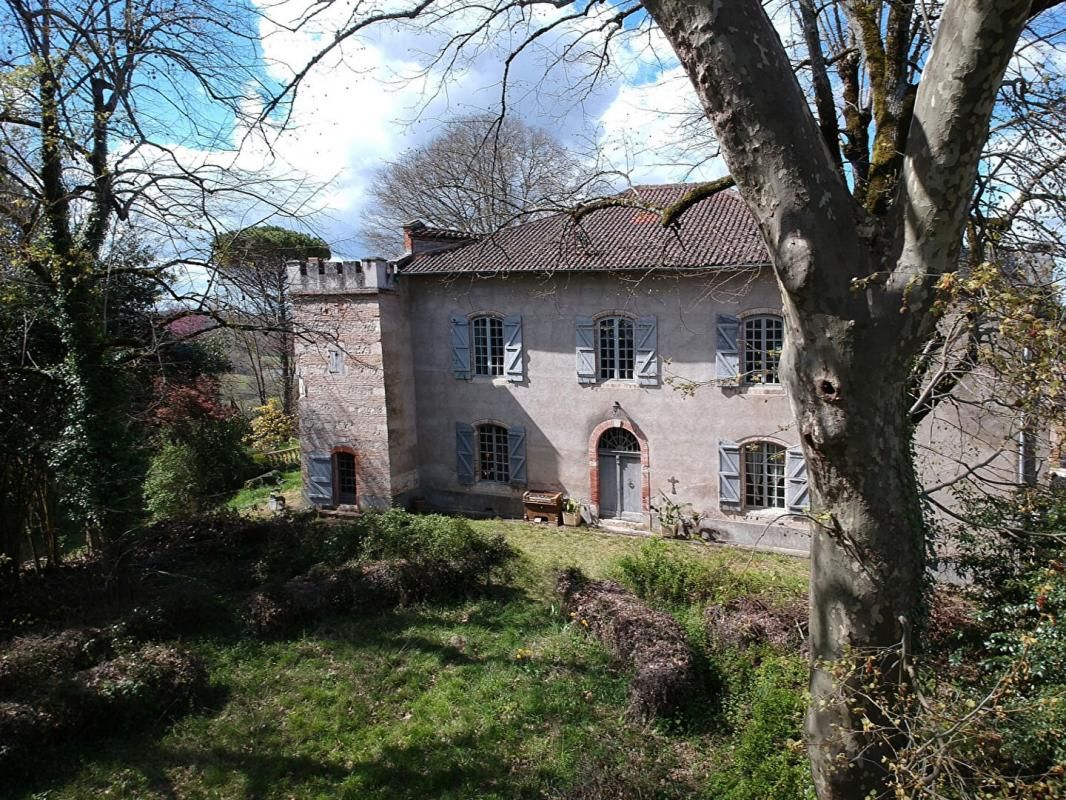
(618, 457)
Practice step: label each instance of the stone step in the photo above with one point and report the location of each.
(624, 526)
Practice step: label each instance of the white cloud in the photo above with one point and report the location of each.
(372, 98)
(645, 135)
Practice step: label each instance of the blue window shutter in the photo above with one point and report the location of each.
(461, 347)
(729, 476)
(726, 355)
(513, 367)
(797, 491)
(647, 351)
(516, 452)
(586, 350)
(464, 452)
(320, 479)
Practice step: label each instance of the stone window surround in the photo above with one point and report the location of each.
(335, 360)
(594, 462)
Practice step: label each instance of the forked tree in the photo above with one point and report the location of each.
(858, 270)
(863, 203)
(115, 116)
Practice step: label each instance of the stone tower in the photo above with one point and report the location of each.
(357, 399)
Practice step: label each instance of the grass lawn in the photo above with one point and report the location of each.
(254, 499)
(496, 697)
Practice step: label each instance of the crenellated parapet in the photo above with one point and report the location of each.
(318, 276)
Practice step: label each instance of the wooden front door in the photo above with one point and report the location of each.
(620, 477)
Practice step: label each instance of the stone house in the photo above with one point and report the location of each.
(622, 363)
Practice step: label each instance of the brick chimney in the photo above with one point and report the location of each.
(420, 238)
(410, 234)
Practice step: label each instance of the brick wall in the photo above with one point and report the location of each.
(348, 408)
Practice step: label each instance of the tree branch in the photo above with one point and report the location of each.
(951, 114)
(769, 139)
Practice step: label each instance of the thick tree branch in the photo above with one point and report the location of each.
(951, 114)
(823, 90)
(769, 138)
(668, 215)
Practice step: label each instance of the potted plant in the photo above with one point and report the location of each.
(571, 512)
(676, 520)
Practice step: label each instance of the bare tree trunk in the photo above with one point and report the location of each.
(288, 375)
(867, 547)
(255, 361)
(48, 522)
(286, 348)
(857, 282)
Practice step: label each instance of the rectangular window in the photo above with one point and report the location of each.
(488, 346)
(764, 475)
(763, 339)
(336, 360)
(616, 348)
(493, 462)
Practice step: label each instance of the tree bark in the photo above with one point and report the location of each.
(867, 541)
(856, 291)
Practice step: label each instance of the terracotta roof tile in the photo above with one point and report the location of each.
(717, 232)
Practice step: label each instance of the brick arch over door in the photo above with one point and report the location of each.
(594, 461)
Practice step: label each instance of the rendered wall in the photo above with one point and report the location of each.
(560, 414)
(399, 395)
(397, 401)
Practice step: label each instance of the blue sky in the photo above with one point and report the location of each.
(380, 94)
(375, 97)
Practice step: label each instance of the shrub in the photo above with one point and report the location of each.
(432, 538)
(23, 729)
(181, 606)
(156, 681)
(750, 621)
(196, 470)
(173, 485)
(649, 642)
(30, 664)
(992, 720)
(769, 760)
(355, 586)
(667, 573)
(271, 427)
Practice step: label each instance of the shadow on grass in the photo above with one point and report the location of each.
(161, 768)
(432, 771)
(477, 760)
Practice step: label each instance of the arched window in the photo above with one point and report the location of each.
(615, 348)
(493, 462)
(764, 475)
(488, 345)
(618, 440)
(764, 336)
